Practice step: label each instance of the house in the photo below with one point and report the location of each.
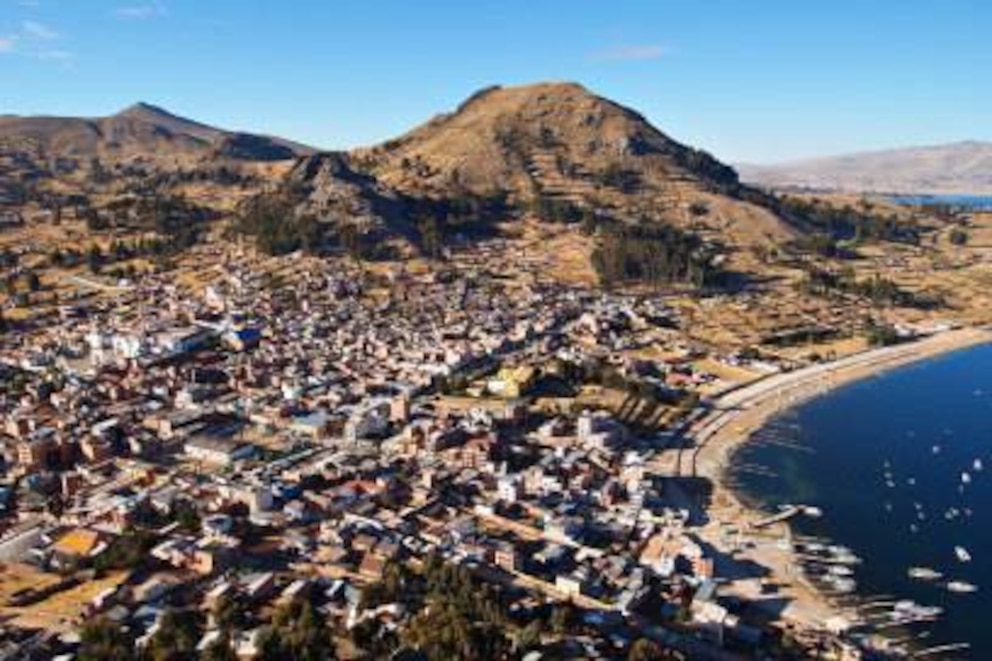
(186, 340)
(509, 488)
(313, 425)
(77, 544)
(506, 556)
(367, 421)
(242, 339)
(512, 382)
(372, 566)
(571, 585)
(218, 450)
(155, 588)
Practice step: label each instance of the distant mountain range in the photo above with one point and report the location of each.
(958, 168)
(142, 132)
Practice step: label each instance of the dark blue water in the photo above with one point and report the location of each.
(976, 202)
(930, 422)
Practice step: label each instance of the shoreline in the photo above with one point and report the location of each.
(735, 416)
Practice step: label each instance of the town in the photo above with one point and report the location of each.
(193, 460)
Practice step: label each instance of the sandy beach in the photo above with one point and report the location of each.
(733, 418)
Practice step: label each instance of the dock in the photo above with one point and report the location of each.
(784, 515)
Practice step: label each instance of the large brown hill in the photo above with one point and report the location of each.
(140, 133)
(561, 142)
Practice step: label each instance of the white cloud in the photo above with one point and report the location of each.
(632, 53)
(153, 9)
(34, 40)
(36, 30)
(57, 55)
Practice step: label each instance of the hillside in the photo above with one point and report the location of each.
(557, 145)
(140, 133)
(555, 138)
(959, 168)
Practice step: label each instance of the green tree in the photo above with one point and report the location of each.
(645, 650)
(176, 637)
(561, 618)
(220, 650)
(228, 614)
(958, 237)
(104, 640)
(34, 282)
(184, 513)
(529, 637)
(95, 259)
(431, 236)
(297, 632)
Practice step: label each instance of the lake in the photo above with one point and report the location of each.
(892, 462)
(975, 202)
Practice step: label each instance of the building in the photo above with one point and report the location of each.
(218, 450)
(512, 382)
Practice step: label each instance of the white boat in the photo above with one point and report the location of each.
(840, 570)
(924, 573)
(965, 478)
(962, 554)
(811, 511)
(977, 465)
(841, 584)
(908, 608)
(961, 587)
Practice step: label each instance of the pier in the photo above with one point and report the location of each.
(784, 515)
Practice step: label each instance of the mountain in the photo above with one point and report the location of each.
(555, 145)
(336, 190)
(557, 139)
(142, 132)
(958, 168)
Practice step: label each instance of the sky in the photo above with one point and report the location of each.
(756, 81)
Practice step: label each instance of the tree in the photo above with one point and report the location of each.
(184, 513)
(561, 618)
(463, 619)
(698, 209)
(228, 614)
(651, 253)
(431, 237)
(34, 282)
(529, 637)
(297, 632)
(103, 640)
(882, 335)
(958, 237)
(176, 637)
(645, 650)
(220, 650)
(95, 258)
(128, 551)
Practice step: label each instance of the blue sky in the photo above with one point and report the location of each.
(749, 80)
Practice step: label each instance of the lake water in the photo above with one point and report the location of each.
(884, 458)
(982, 202)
